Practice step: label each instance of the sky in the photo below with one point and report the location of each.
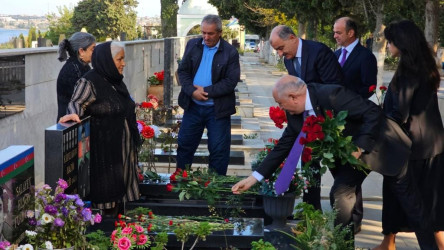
(149, 8)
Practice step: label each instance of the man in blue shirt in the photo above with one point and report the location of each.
(208, 73)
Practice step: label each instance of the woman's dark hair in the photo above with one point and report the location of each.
(416, 58)
(78, 40)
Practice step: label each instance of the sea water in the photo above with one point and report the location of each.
(7, 34)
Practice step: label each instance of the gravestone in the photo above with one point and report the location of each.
(67, 156)
(17, 191)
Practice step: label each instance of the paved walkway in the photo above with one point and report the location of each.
(260, 78)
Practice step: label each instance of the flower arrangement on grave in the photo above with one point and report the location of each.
(326, 144)
(381, 96)
(298, 183)
(157, 78)
(209, 186)
(142, 221)
(59, 220)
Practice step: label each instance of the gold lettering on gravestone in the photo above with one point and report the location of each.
(22, 187)
(70, 155)
(19, 218)
(23, 202)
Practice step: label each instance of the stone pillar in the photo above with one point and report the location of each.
(168, 67)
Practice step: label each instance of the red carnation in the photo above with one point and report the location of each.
(149, 227)
(302, 141)
(383, 88)
(170, 223)
(207, 183)
(184, 174)
(147, 105)
(173, 178)
(329, 113)
(141, 177)
(372, 88)
(306, 154)
(169, 187)
(278, 116)
(150, 214)
(147, 132)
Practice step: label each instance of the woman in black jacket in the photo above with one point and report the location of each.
(79, 47)
(414, 200)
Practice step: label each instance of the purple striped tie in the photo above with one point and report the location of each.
(344, 57)
(284, 179)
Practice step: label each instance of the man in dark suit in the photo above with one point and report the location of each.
(309, 60)
(363, 119)
(360, 71)
(312, 62)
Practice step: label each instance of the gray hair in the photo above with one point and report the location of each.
(289, 83)
(78, 40)
(283, 32)
(116, 47)
(213, 19)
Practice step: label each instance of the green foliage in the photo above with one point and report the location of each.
(98, 240)
(168, 15)
(262, 245)
(160, 241)
(32, 36)
(106, 18)
(280, 65)
(250, 136)
(59, 24)
(317, 230)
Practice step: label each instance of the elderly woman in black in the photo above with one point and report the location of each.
(80, 47)
(414, 200)
(103, 95)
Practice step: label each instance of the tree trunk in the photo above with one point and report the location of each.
(168, 15)
(301, 30)
(431, 23)
(379, 42)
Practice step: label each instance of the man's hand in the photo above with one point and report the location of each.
(243, 185)
(358, 153)
(199, 94)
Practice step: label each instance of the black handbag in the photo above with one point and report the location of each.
(392, 150)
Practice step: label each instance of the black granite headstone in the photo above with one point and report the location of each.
(67, 156)
(16, 191)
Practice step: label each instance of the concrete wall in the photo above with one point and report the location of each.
(143, 58)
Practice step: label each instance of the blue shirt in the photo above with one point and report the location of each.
(203, 74)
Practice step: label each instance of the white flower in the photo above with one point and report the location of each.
(30, 233)
(28, 247)
(46, 218)
(48, 245)
(30, 213)
(156, 130)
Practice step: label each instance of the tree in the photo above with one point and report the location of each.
(106, 18)
(31, 36)
(168, 15)
(59, 24)
(431, 23)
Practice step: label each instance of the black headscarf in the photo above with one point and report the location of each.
(103, 64)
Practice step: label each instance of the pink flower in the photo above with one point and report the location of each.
(124, 243)
(97, 218)
(62, 184)
(127, 230)
(142, 239)
(139, 229)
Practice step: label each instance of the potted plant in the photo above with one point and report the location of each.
(156, 85)
(278, 207)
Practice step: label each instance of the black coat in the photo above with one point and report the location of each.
(360, 70)
(225, 74)
(362, 121)
(318, 64)
(71, 71)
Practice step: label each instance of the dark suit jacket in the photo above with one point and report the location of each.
(360, 70)
(318, 64)
(415, 106)
(362, 121)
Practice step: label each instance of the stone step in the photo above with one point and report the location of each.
(233, 170)
(236, 157)
(236, 139)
